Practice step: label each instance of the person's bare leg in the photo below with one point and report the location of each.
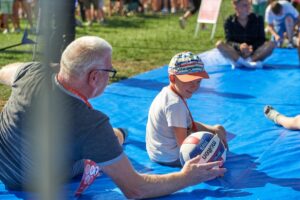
(28, 10)
(263, 51)
(227, 50)
(89, 16)
(187, 14)
(289, 25)
(292, 123)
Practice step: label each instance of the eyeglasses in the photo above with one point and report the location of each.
(112, 72)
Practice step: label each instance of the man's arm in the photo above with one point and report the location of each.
(138, 186)
(8, 72)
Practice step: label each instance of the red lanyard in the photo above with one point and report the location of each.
(76, 93)
(194, 126)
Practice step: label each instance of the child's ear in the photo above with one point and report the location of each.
(172, 78)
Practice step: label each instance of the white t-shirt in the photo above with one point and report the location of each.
(166, 111)
(287, 9)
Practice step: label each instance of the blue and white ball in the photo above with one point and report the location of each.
(206, 144)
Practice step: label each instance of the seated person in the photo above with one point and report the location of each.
(245, 37)
(292, 123)
(281, 18)
(169, 119)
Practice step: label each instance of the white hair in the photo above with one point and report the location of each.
(83, 54)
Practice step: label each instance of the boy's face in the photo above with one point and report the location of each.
(186, 89)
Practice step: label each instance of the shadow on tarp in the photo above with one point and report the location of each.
(242, 173)
(157, 86)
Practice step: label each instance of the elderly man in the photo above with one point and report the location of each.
(245, 43)
(84, 72)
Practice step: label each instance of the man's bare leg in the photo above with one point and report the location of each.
(263, 51)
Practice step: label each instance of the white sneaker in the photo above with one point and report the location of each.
(164, 11)
(257, 65)
(253, 64)
(5, 31)
(173, 10)
(16, 30)
(242, 62)
(182, 22)
(271, 113)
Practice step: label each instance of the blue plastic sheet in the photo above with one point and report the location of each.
(263, 161)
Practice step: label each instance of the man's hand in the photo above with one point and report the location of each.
(196, 173)
(246, 50)
(221, 132)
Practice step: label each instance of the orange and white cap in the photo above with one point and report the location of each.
(187, 67)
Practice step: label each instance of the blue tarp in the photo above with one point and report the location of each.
(263, 161)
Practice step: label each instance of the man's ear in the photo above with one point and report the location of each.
(172, 78)
(93, 78)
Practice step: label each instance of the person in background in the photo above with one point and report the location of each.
(282, 18)
(292, 123)
(101, 14)
(6, 9)
(91, 12)
(246, 43)
(195, 7)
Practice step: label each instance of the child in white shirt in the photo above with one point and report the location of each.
(169, 118)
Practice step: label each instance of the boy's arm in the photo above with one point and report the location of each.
(180, 134)
(216, 129)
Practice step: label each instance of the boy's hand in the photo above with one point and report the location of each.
(221, 132)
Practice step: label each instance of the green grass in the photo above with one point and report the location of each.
(140, 43)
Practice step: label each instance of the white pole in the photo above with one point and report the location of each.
(213, 31)
(197, 29)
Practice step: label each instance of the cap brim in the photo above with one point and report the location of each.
(192, 76)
